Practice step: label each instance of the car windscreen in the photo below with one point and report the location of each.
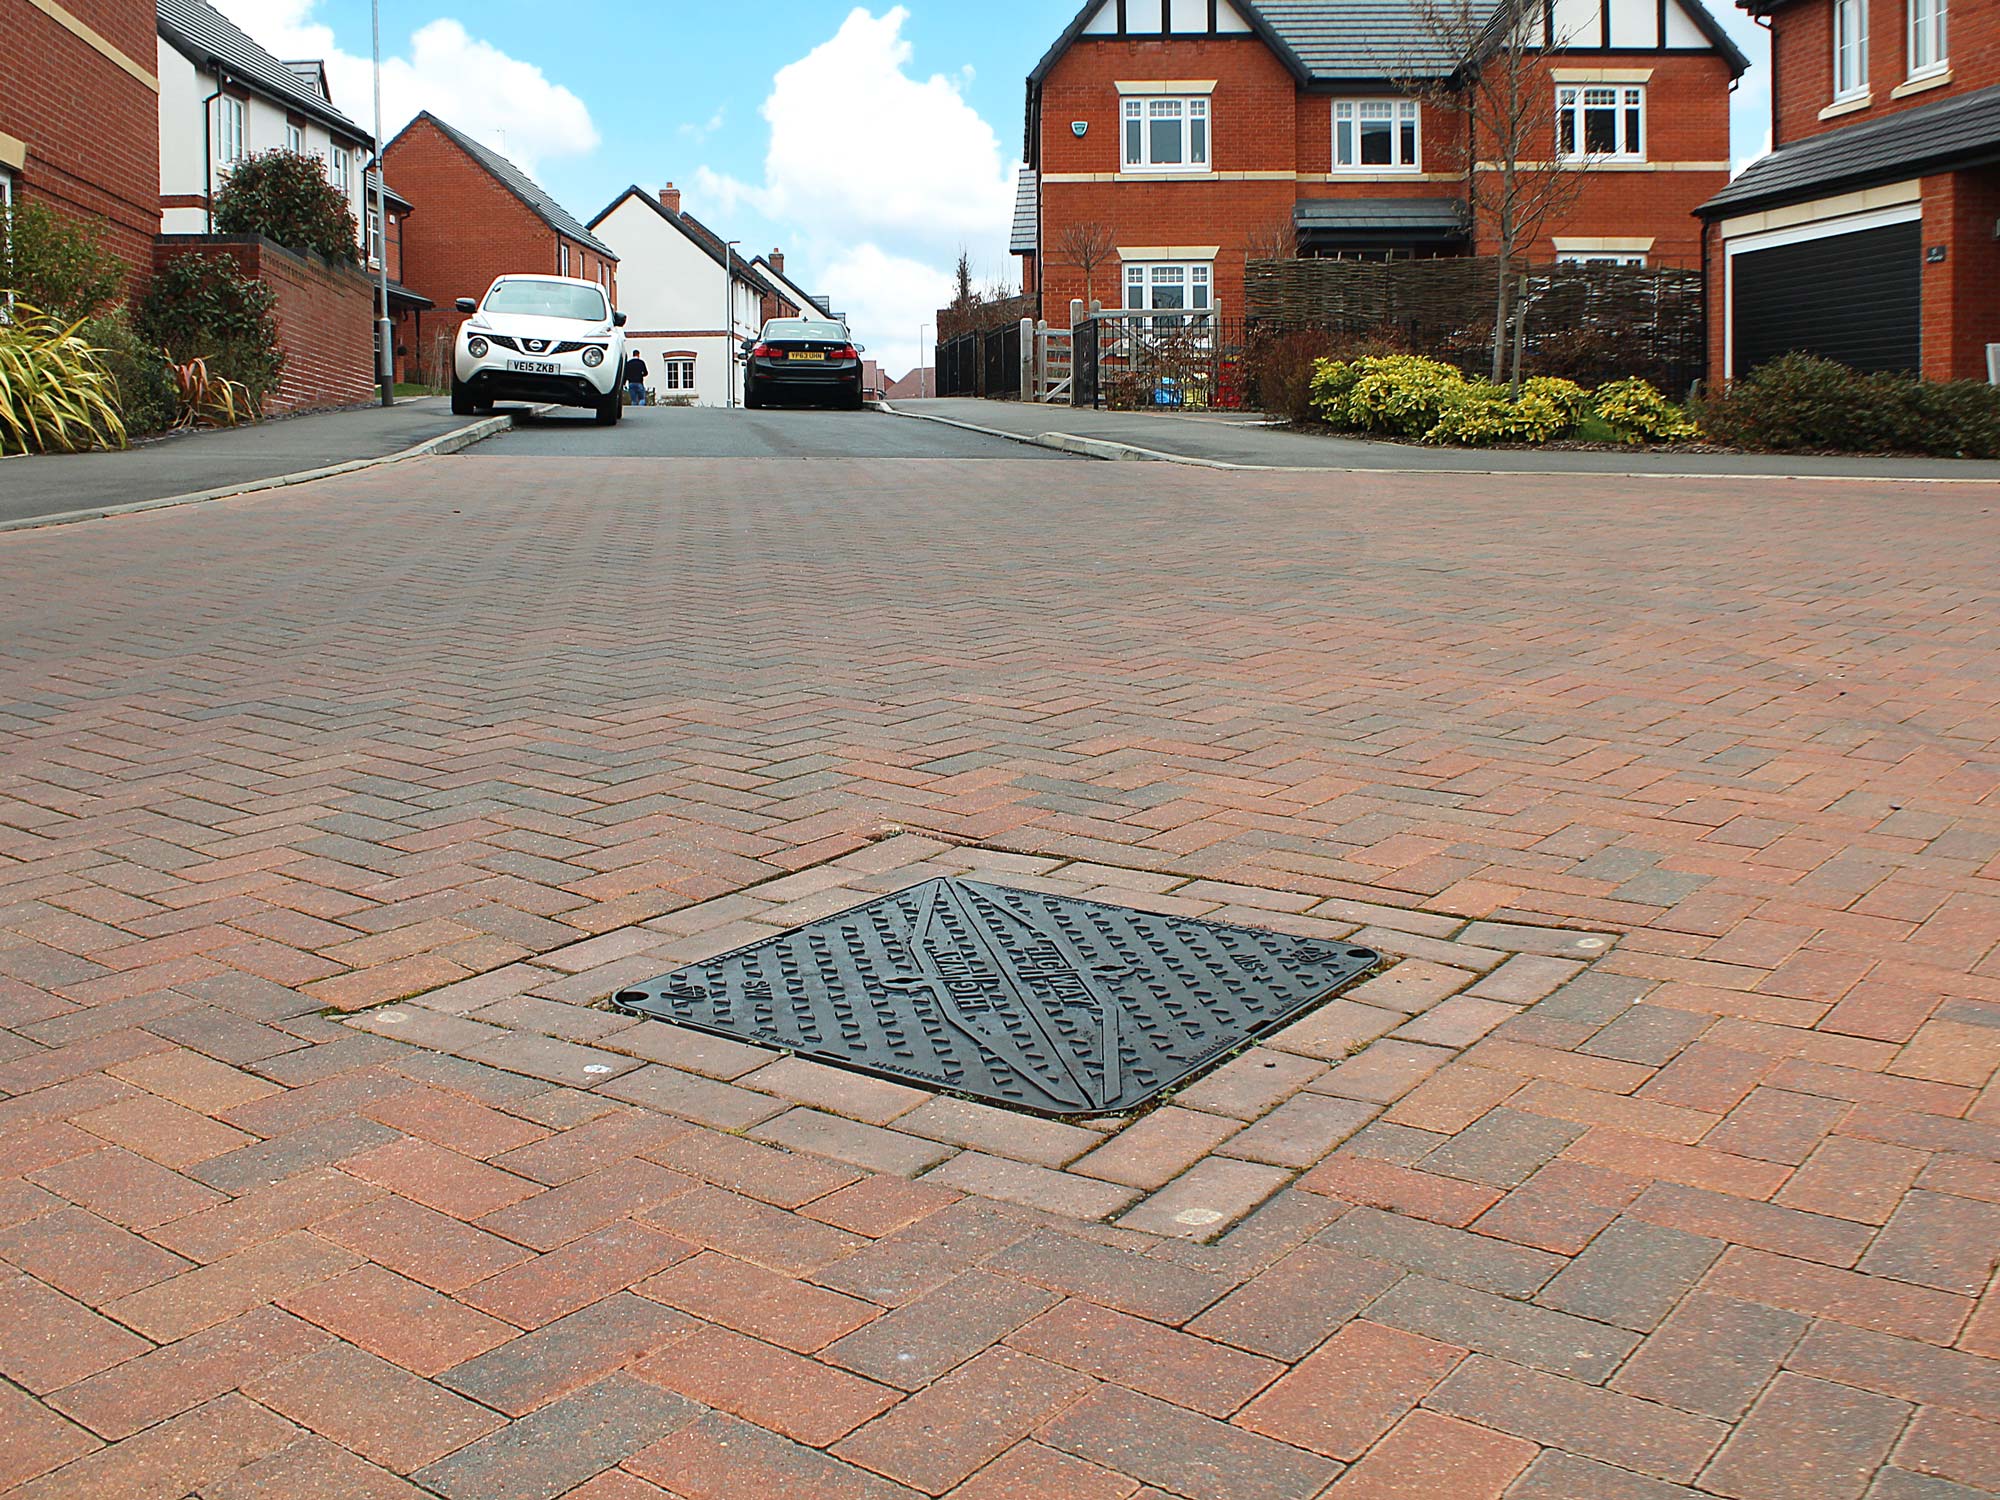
(547, 299)
(804, 328)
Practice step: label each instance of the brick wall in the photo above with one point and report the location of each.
(1961, 311)
(90, 127)
(325, 313)
(467, 227)
(1802, 61)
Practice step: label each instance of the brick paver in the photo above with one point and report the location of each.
(1661, 1159)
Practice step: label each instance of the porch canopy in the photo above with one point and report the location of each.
(1405, 226)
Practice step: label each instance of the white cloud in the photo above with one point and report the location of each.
(509, 104)
(700, 133)
(885, 298)
(865, 153)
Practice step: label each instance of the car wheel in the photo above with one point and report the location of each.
(856, 401)
(609, 411)
(753, 399)
(462, 404)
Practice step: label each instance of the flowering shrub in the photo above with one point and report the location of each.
(1408, 396)
(1639, 414)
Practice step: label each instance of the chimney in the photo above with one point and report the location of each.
(778, 261)
(670, 198)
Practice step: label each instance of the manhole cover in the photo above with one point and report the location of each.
(1039, 1002)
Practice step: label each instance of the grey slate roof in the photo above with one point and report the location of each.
(1361, 38)
(1379, 213)
(1027, 213)
(199, 31)
(522, 186)
(1957, 131)
(698, 234)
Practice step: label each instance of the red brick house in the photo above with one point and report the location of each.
(1201, 133)
(1871, 232)
(79, 115)
(479, 217)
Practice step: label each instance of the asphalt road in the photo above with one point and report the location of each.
(186, 463)
(783, 432)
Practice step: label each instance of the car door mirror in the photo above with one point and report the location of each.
(860, 348)
(618, 320)
(466, 304)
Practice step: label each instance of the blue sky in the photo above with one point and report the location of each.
(869, 141)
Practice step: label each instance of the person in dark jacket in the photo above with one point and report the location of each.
(635, 378)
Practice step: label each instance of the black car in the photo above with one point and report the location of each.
(803, 359)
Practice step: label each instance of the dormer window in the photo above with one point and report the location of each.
(1850, 48)
(1927, 39)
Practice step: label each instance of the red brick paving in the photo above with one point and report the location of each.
(1664, 1160)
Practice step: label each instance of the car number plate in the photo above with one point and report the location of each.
(806, 354)
(531, 366)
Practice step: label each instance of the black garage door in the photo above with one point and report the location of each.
(1850, 297)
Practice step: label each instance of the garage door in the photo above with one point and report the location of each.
(1851, 297)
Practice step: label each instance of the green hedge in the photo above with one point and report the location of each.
(1801, 403)
(1408, 396)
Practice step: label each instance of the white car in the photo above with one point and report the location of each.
(539, 338)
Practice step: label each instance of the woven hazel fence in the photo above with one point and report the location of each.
(1588, 323)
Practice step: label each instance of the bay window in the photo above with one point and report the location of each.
(1166, 135)
(1375, 135)
(1927, 43)
(1601, 120)
(1850, 48)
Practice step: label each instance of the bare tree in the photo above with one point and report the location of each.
(1087, 244)
(1276, 238)
(1488, 63)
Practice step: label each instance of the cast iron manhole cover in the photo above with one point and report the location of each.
(1038, 1002)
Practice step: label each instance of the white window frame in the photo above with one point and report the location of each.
(677, 373)
(1194, 117)
(339, 168)
(1575, 102)
(1348, 117)
(295, 139)
(1600, 258)
(1195, 278)
(1929, 42)
(562, 257)
(231, 124)
(374, 234)
(1850, 50)
(6, 189)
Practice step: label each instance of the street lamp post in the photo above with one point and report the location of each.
(923, 380)
(385, 331)
(729, 319)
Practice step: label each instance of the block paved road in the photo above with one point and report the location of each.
(452, 750)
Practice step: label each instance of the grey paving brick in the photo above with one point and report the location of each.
(1449, 1254)
(1632, 1274)
(554, 1450)
(1651, 1034)
(1712, 1355)
(1520, 1331)
(1502, 1148)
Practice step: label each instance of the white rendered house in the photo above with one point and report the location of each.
(689, 301)
(224, 98)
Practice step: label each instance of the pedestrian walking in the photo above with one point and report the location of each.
(635, 378)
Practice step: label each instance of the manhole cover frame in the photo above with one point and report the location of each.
(1273, 979)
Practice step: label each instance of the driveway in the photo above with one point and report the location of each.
(1222, 437)
(778, 432)
(1657, 1161)
(188, 463)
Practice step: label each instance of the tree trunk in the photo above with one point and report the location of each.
(1520, 337)
(1500, 308)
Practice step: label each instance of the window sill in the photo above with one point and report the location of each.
(1132, 171)
(1846, 106)
(1922, 81)
(1373, 174)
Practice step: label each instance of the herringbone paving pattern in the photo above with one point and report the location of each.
(1710, 1209)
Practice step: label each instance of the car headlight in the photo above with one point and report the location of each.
(593, 357)
(476, 347)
